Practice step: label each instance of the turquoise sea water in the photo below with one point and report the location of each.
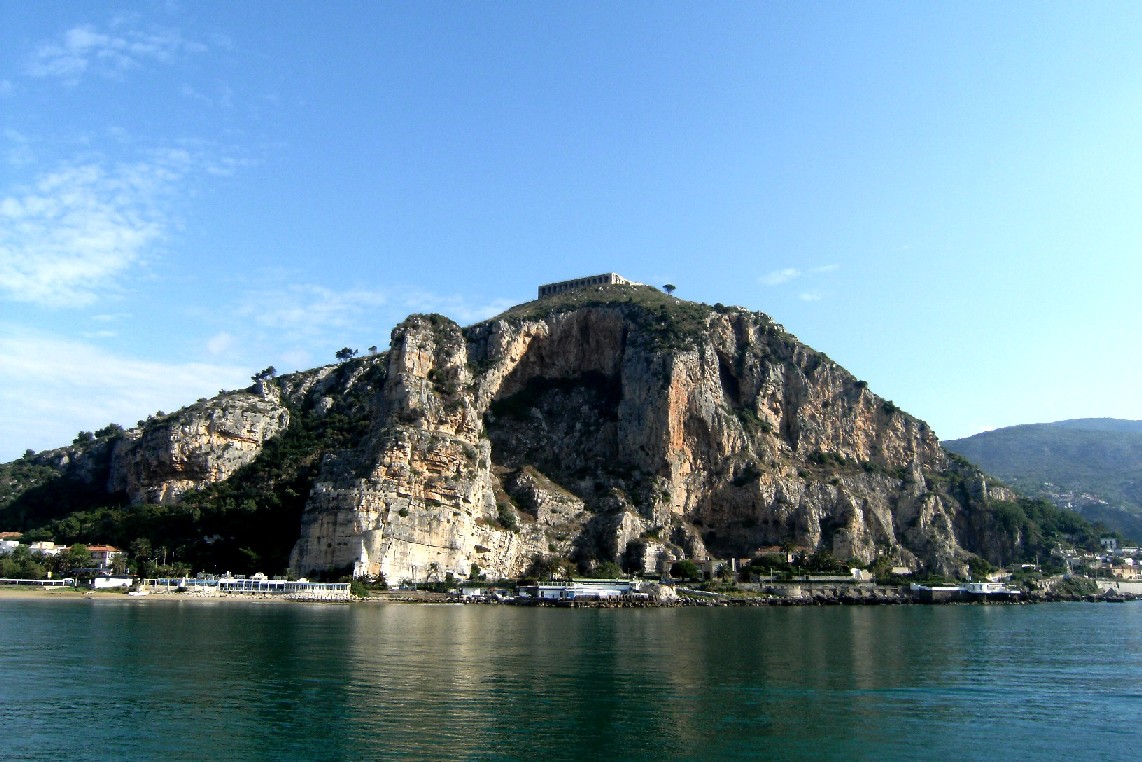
(116, 679)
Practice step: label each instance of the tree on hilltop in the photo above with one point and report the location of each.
(344, 354)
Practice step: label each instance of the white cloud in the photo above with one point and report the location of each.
(50, 389)
(777, 277)
(65, 239)
(221, 343)
(785, 275)
(459, 308)
(300, 325)
(309, 309)
(313, 310)
(810, 296)
(109, 52)
(69, 236)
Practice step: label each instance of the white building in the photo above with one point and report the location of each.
(102, 556)
(110, 581)
(47, 548)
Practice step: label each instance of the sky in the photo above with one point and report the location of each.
(945, 198)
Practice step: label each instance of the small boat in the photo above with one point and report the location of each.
(138, 593)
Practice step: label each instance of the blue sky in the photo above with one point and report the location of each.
(946, 198)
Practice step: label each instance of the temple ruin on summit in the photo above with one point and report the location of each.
(606, 279)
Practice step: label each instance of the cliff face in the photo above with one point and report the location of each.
(197, 446)
(610, 424)
(627, 431)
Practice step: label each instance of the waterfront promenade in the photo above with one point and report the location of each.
(298, 590)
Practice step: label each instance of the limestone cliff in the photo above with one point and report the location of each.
(606, 424)
(199, 445)
(621, 424)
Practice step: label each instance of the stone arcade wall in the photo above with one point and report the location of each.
(550, 289)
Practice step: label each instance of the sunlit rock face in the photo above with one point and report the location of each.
(198, 446)
(628, 427)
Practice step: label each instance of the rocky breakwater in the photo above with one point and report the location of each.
(621, 425)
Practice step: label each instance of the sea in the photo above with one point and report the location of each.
(144, 679)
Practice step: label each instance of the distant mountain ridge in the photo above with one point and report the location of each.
(1093, 465)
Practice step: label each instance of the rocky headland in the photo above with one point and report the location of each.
(610, 424)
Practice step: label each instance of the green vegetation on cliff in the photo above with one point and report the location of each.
(245, 524)
(649, 429)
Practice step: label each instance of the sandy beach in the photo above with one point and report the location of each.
(14, 591)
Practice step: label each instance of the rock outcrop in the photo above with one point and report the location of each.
(607, 425)
(198, 446)
(631, 427)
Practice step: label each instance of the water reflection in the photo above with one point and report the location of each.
(198, 680)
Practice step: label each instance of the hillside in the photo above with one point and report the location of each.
(613, 424)
(1093, 465)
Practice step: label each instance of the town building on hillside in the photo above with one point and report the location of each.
(102, 556)
(606, 279)
(47, 548)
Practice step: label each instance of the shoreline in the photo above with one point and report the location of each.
(12, 592)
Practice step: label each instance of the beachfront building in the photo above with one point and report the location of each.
(108, 581)
(581, 590)
(259, 584)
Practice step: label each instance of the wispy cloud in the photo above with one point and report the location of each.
(52, 388)
(67, 237)
(787, 274)
(310, 309)
(300, 324)
(109, 52)
(70, 235)
(777, 277)
(460, 308)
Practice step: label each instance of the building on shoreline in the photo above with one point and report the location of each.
(259, 584)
